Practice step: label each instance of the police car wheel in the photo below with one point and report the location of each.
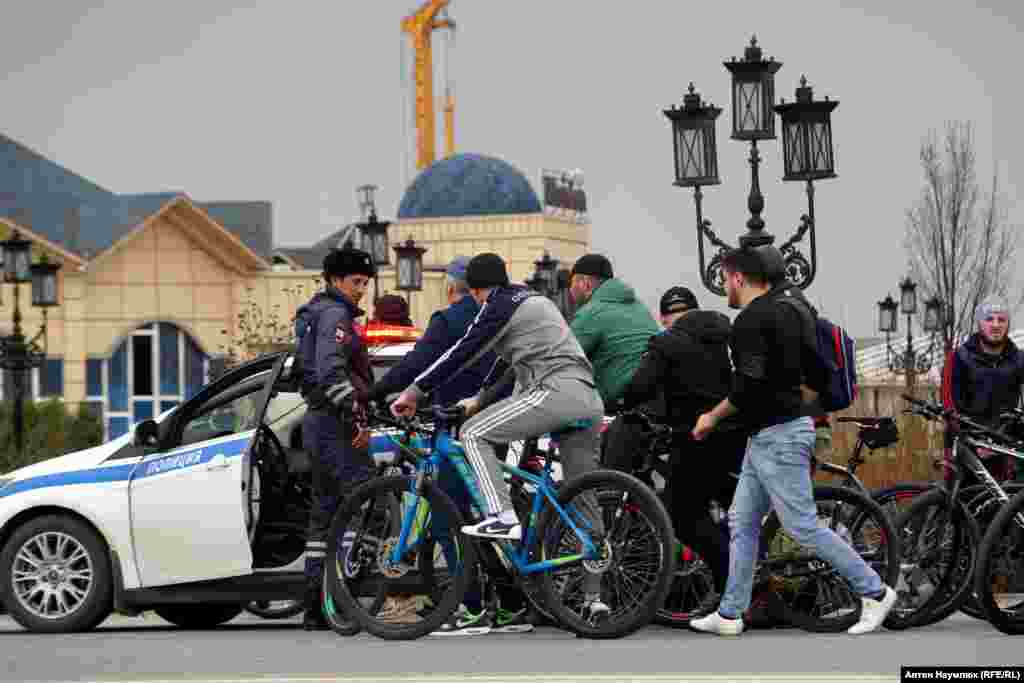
(57, 576)
(275, 609)
(199, 616)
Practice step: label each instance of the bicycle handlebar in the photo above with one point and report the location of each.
(932, 411)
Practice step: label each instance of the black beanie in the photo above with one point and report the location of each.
(344, 262)
(486, 270)
(594, 264)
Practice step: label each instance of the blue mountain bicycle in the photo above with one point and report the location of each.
(601, 532)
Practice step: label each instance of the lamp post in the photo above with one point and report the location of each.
(910, 363)
(409, 268)
(18, 355)
(373, 233)
(552, 282)
(807, 155)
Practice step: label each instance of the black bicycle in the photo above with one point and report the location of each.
(941, 530)
(805, 591)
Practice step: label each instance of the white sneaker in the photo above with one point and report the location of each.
(717, 624)
(873, 613)
(495, 529)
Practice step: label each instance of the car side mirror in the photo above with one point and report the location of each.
(147, 434)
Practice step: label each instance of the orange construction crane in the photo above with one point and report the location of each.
(420, 26)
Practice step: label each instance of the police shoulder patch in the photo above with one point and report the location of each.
(339, 334)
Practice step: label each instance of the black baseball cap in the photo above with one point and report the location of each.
(677, 299)
(593, 264)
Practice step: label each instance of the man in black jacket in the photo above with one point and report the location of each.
(689, 364)
(774, 353)
(988, 376)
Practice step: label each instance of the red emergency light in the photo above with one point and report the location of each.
(381, 333)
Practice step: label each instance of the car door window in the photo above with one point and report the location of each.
(223, 418)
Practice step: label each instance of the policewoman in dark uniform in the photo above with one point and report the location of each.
(336, 379)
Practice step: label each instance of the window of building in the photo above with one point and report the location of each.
(142, 365)
(51, 378)
(94, 377)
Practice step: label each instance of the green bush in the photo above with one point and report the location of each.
(50, 430)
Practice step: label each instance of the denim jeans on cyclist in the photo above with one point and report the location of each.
(776, 475)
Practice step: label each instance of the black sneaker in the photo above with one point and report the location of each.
(494, 528)
(465, 623)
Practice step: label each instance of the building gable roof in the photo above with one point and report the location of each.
(86, 219)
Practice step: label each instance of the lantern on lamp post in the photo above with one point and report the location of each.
(19, 355)
(373, 233)
(409, 267)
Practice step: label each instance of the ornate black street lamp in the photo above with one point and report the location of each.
(552, 282)
(409, 268)
(373, 233)
(807, 152)
(19, 355)
(910, 363)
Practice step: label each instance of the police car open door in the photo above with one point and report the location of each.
(188, 502)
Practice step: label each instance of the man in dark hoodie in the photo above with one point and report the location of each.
(335, 382)
(447, 326)
(988, 375)
(689, 364)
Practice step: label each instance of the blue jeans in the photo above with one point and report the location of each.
(776, 475)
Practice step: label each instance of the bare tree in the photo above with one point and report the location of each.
(959, 245)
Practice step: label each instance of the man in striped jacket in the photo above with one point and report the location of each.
(555, 392)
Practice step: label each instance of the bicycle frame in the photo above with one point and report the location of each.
(969, 459)
(446, 449)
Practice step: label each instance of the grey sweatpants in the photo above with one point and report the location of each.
(543, 410)
(535, 412)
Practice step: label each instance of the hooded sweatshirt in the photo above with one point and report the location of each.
(689, 362)
(613, 328)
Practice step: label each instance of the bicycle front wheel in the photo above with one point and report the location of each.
(636, 544)
(814, 596)
(407, 599)
(940, 551)
(999, 578)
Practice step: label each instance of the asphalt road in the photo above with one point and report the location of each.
(247, 649)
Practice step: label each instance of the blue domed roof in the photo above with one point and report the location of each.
(468, 185)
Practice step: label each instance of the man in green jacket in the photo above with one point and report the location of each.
(612, 326)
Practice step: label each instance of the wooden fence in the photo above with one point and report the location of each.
(919, 445)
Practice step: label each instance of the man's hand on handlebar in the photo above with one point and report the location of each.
(405, 405)
(470, 405)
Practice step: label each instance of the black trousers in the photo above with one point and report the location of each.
(703, 471)
(337, 469)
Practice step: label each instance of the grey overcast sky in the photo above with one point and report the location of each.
(299, 102)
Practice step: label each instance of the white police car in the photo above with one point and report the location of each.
(193, 514)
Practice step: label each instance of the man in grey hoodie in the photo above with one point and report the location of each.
(555, 393)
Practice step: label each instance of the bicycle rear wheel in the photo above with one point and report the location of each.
(940, 550)
(815, 597)
(637, 554)
(999, 578)
(405, 600)
(691, 583)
